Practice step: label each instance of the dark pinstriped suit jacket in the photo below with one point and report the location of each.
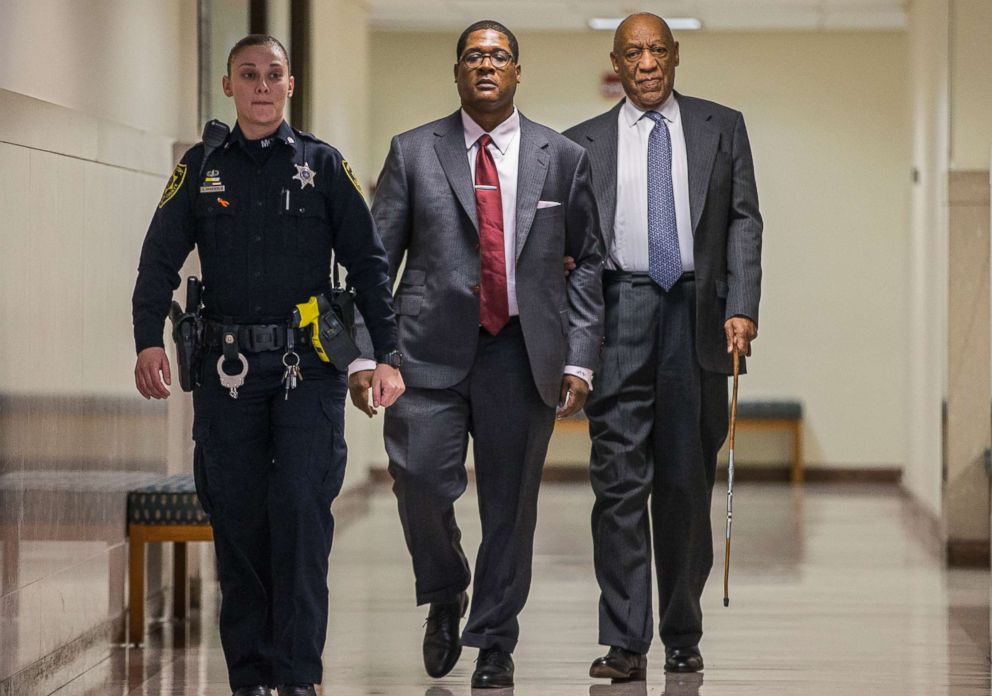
(723, 202)
(425, 208)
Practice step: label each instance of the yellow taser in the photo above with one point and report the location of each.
(308, 314)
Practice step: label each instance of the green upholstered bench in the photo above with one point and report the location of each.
(777, 414)
(165, 510)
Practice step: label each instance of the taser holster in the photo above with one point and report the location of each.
(331, 318)
(187, 332)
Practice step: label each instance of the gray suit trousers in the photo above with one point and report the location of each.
(426, 435)
(657, 421)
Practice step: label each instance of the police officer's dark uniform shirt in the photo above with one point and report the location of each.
(264, 216)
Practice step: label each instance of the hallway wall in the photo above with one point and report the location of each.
(92, 97)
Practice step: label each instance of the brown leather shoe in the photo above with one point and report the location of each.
(620, 664)
(683, 659)
(442, 646)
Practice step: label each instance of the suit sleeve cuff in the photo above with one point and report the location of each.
(359, 365)
(580, 372)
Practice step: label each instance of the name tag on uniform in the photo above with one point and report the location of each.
(212, 183)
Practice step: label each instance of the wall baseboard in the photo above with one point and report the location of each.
(64, 664)
(967, 553)
(579, 473)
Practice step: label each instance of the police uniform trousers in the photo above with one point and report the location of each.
(426, 435)
(657, 421)
(267, 469)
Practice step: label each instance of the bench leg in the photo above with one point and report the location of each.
(797, 453)
(180, 596)
(136, 586)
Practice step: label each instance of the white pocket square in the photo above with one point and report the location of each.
(547, 204)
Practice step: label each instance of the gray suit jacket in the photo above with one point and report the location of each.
(723, 203)
(424, 208)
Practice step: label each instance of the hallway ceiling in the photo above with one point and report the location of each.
(570, 15)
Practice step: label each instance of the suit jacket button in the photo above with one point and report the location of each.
(477, 246)
(476, 289)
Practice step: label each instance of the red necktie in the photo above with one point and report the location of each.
(494, 309)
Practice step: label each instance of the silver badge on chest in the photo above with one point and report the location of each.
(305, 175)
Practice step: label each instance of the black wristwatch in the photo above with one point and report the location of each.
(393, 359)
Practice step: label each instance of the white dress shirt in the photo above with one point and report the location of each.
(505, 149)
(629, 251)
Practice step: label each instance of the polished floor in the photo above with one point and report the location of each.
(833, 592)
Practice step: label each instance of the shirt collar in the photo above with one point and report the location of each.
(669, 110)
(502, 135)
(283, 134)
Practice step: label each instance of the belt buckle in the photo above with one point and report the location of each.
(262, 338)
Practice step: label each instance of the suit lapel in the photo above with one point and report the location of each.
(532, 170)
(451, 153)
(602, 146)
(701, 143)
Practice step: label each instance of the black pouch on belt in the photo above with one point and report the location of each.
(337, 326)
(336, 337)
(187, 332)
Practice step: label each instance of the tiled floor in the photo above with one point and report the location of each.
(832, 593)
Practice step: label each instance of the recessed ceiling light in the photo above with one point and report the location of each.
(676, 23)
(684, 23)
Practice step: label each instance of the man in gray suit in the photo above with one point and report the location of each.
(679, 208)
(484, 204)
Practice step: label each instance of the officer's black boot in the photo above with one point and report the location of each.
(257, 690)
(297, 690)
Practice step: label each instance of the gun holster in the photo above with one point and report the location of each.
(187, 332)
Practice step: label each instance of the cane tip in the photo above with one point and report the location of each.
(726, 601)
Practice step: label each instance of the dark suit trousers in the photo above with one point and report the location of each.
(426, 435)
(657, 421)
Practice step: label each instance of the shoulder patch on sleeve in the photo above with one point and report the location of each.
(351, 177)
(175, 183)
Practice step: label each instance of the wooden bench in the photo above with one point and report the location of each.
(778, 414)
(166, 510)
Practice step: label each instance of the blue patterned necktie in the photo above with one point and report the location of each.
(664, 254)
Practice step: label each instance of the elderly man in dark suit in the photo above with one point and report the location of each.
(675, 185)
(484, 203)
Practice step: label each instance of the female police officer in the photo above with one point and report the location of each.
(265, 211)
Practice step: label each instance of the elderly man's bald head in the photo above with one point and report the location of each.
(636, 19)
(644, 56)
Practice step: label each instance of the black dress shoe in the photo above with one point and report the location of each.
(683, 659)
(442, 646)
(620, 664)
(297, 690)
(493, 669)
(257, 690)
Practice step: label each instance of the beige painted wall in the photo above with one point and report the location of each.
(127, 61)
(340, 78)
(971, 86)
(92, 97)
(966, 490)
(87, 135)
(827, 115)
(340, 115)
(926, 331)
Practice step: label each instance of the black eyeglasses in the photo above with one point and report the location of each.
(499, 59)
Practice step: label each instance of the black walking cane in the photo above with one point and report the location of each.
(730, 481)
